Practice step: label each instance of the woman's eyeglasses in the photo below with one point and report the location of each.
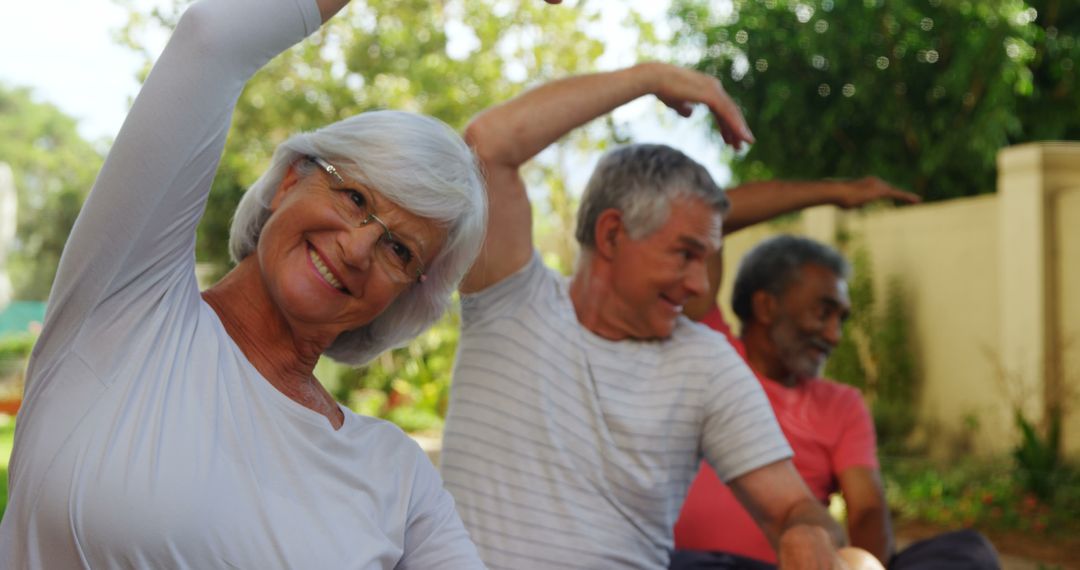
(397, 260)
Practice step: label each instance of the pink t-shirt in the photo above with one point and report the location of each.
(828, 427)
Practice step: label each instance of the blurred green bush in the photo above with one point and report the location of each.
(985, 494)
(409, 386)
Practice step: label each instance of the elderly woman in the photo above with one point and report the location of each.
(164, 428)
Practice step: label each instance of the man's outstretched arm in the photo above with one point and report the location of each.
(756, 202)
(508, 135)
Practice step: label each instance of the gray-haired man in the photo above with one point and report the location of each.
(581, 407)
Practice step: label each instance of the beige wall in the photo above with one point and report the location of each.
(991, 285)
(1066, 208)
(945, 257)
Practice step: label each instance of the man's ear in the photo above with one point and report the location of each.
(608, 231)
(765, 307)
(292, 176)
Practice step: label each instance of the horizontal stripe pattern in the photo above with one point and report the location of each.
(566, 450)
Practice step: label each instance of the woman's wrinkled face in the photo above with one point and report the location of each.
(335, 254)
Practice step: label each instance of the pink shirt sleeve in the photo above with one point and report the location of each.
(856, 445)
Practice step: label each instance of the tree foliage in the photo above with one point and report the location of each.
(1052, 112)
(921, 92)
(54, 168)
(450, 60)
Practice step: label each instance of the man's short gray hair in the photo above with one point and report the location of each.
(773, 265)
(640, 181)
(417, 162)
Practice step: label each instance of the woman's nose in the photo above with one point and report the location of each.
(358, 245)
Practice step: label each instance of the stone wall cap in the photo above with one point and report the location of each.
(1043, 155)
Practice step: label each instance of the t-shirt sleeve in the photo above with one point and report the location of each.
(435, 537)
(135, 235)
(857, 442)
(509, 294)
(740, 430)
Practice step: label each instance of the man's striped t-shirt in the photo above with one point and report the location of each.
(566, 450)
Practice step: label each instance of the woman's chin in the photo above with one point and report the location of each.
(330, 311)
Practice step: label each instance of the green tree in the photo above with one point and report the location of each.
(54, 168)
(920, 92)
(1052, 113)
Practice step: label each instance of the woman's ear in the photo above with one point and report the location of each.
(607, 232)
(292, 176)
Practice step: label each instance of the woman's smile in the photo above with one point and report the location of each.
(323, 269)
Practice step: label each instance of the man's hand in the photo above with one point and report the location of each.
(857, 193)
(809, 547)
(806, 547)
(680, 89)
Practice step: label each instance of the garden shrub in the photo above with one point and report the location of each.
(988, 494)
(409, 386)
(874, 355)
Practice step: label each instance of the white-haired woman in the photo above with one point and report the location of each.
(167, 428)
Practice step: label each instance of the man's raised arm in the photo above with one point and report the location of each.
(508, 135)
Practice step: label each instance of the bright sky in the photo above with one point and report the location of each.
(65, 51)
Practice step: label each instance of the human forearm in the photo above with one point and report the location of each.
(870, 530)
(755, 202)
(513, 132)
(868, 523)
(810, 513)
(794, 522)
(808, 538)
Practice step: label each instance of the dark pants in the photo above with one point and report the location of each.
(960, 550)
(698, 560)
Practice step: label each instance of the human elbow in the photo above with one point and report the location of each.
(480, 138)
(206, 32)
(494, 143)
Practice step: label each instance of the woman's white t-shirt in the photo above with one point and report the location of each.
(146, 438)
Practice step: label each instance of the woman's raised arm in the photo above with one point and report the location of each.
(136, 232)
